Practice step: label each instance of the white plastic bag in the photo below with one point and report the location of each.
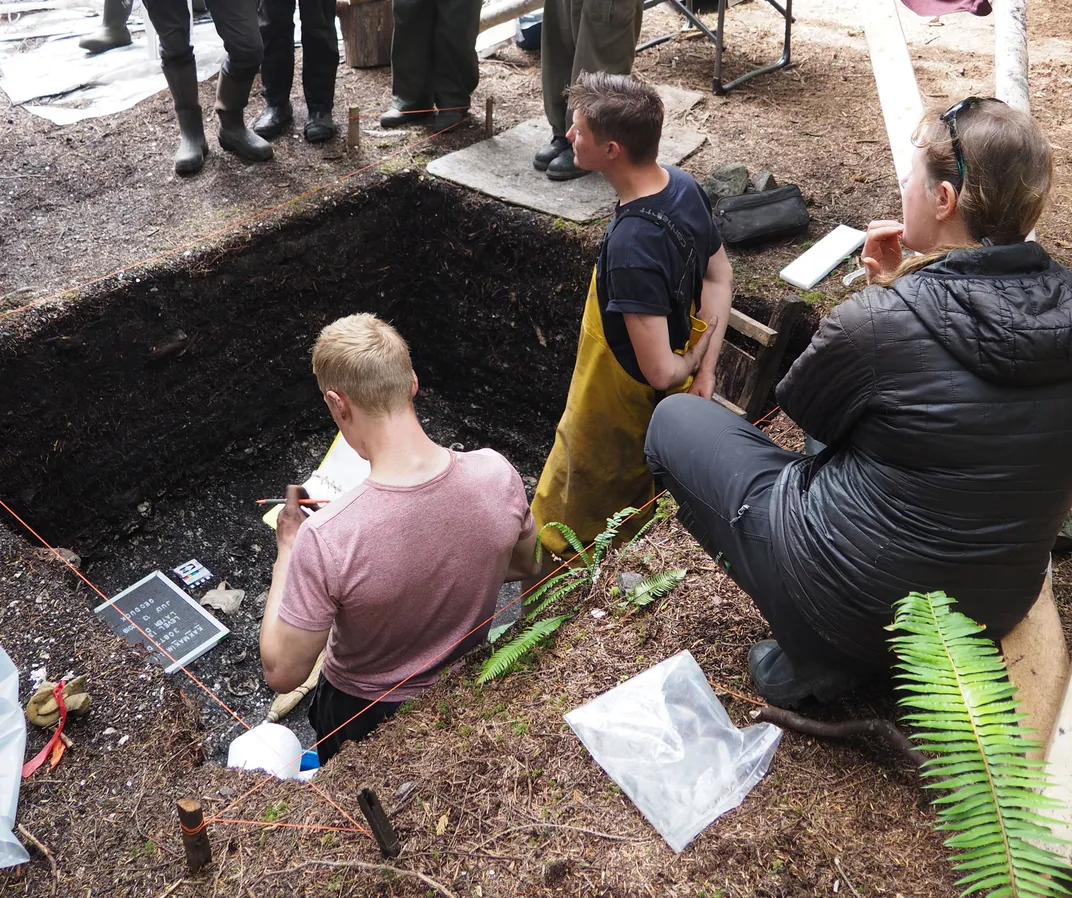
(665, 738)
(270, 747)
(12, 749)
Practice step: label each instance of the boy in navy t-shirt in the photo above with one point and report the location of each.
(656, 314)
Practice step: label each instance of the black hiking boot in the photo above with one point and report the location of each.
(549, 152)
(449, 118)
(397, 117)
(274, 120)
(320, 127)
(786, 686)
(564, 168)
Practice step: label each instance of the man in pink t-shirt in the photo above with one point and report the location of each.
(400, 576)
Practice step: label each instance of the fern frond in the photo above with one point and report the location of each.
(570, 537)
(663, 509)
(504, 660)
(558, 594)
(647, 591)
(965, 712)
(550, 583)
(614, 524)
(495, 632)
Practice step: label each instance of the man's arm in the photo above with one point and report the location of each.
(663, 368)
(523, 559)
(288, 653)
(715, 300)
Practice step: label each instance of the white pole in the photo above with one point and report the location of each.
(1010, 53)
(503, 11)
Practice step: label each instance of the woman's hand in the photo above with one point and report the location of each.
(882, 253)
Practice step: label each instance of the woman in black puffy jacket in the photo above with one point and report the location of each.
(943, 393)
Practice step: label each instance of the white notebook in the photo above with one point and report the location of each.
(807, 269)
(341, 470)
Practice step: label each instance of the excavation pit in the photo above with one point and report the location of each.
(143, 420)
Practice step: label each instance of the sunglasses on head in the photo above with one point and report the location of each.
(950, 118)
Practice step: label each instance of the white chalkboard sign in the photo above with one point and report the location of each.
(168, 616)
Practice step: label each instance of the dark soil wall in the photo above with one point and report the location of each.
(114, 399)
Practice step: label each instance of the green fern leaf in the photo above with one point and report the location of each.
(663, 509)
(614, 524)
(647, 591)
(558, 594)
(964, 711)
(571, 538)
(551, 583)
(505, 659)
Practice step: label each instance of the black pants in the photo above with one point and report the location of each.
(235, 21)
(320, 51)
(332, 712)
(433, 54)
(721, 471)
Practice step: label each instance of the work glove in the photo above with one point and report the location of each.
(42, 709)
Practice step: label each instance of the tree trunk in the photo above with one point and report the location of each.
(367, 29)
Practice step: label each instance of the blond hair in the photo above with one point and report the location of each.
(1008, 170)
(367, 360)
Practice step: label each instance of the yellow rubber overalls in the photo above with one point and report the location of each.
(597, 466)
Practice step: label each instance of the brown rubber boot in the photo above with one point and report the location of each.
(190, 156)
(231, 99)
(113, 31)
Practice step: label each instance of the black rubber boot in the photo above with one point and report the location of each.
(274, 121)
(786, 686)
(231, 99)
(549, 152)
(563, 168)
(182, 82)
(113, 31)
(320, 127)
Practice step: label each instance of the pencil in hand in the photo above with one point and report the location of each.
(300, 501)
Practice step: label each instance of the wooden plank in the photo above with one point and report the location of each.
(760, 380)
(898, 93)
(725, 403)
(1037, 658)
(731, 373)
(751, 328)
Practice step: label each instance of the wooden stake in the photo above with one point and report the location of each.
(353, 130)
(194, 835)
(489, 117)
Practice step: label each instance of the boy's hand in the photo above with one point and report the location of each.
(290, 518)
(695, 353)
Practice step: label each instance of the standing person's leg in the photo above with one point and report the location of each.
(320, 65)
(172, 23)
(455, 67)
(236, 22)
(558, 44)
(276, 18)
(606, 36)
(411, 63)
(721, 471)
(113, 31)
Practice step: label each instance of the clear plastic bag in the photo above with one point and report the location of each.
(12, 749)
(666, 740)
